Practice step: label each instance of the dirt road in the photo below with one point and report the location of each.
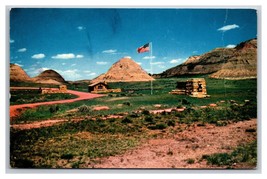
(191, 144)
(15, 110)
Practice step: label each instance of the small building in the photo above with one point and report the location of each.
(63, 88)
(98, 87)
(195, 87)
(101, 87)
(60, 89)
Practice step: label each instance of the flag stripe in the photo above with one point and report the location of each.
(144, 48)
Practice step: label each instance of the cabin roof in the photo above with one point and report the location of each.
(94, 84)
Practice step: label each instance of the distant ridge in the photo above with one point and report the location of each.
(232, 63)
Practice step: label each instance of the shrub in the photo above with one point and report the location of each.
(53, 109)
(158, 126)
(170, 152)
(134, 115)
(190, 161)
(24, 163)
(149, 119)
(126, 120)
(127, 103)
(171, 122)
(67, 156)
(185, 102)
(145, 112)
(84, 109)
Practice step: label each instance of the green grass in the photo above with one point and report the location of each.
(48, 147)
(107, 137)
(242, 154)
(43, 147)
(27, 84)
(32, 96)
(237, 90)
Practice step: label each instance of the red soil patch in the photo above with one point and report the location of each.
(15, 110)
(192, 143)
(158, 111)
(100, 108)
(38, 124)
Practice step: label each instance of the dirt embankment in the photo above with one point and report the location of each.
(193, 143)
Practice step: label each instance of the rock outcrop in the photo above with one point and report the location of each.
(239, 62)
(17, 74)
(49, 77)
(124, 70)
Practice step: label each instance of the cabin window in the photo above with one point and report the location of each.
(199, 89)
(100, 87)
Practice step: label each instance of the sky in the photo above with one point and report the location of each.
(84, 43)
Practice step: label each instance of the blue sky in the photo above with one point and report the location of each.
(84, 43)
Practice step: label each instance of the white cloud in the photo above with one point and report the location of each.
(11, 41)
(157, 63)
(91, 74)
(127, 57)
(173, 61)
(38, 56)
(228, 27)
(67, 56)
(110, 51)
(64, 56)
(40, 70)
(69, 74)
(230, 46)
(139, 63)
(80, 28)
(148, 57)
(22, 50)
(74, 64)
(161, 66)
(101, 63)
(36, 71)
(79, 56)
(19, 64)
(87, 71)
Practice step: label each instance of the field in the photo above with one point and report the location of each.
(87, 137)
(32, 96)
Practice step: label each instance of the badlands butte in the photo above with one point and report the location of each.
(229, 63)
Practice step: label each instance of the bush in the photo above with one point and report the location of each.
(190, 161)
(185, 102)
(67, 156)
(53, 109)
(126, 120)
(149, 119)
(158, 126)
(126, 103)
(134, 115)
(84, 109)
(24, 163)
(145, 112)
(171, 122)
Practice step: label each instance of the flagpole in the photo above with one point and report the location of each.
(151, 69)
